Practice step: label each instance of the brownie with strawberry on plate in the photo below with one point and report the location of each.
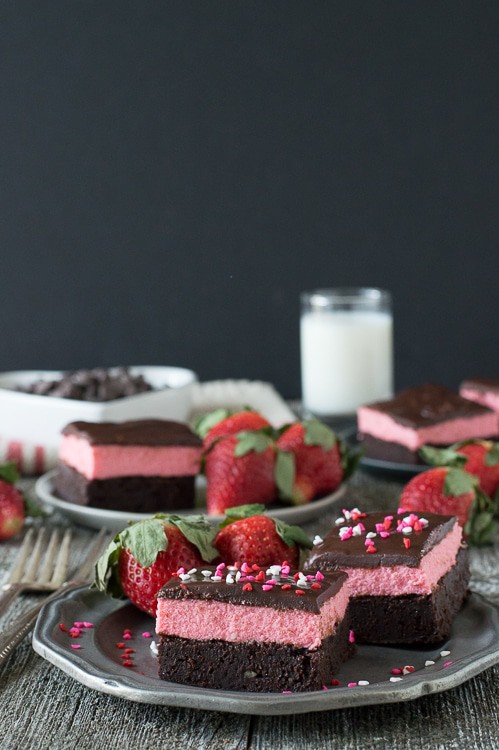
(394, 430)
(407, 574)
(247, 628)
(145, 466)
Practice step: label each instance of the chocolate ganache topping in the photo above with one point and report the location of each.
(373, 540)
(153, 432)
(427, 405)
(277, 587)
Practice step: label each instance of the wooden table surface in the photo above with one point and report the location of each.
(42, 708)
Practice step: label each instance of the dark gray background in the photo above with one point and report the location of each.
(173, 174)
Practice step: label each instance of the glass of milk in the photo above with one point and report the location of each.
(346, 338)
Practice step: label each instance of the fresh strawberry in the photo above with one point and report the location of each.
(144, 556)
(316, 461)
(477, 457)
(239, 469)
(223, 423)
(249, 536)
(451, 491)
(12, 509)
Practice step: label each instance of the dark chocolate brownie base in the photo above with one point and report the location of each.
(382, 450)
(133, 494)
(410, 618)
(251, 666)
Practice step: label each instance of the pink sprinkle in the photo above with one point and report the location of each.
(285, 570)
(245, 568)
(127, 636)
(379, 527)
(369, 543)
(352, 684)
(351, 637)
(78, 624)
(271, 581)
(180, 571)
(266, 587)
(287, 692)
(74, 632)
(319, 576)
(88, 624)
(325, 688)
(448, 663)
(384, 534)
(361, 526)
(396, 670)
(146, 634)
(346, 534)
(77, 645)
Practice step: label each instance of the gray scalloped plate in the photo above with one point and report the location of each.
(473, 646)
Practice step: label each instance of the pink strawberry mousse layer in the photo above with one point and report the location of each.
(106, 461)
(211, 620)
(485, 398)
(401, 579)
(383, 427)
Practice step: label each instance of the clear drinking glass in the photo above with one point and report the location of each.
(346, 340)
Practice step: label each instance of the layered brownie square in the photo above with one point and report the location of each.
(144, 466)
(242, 628)
(394, 430)
(484, 391)
(407, 575)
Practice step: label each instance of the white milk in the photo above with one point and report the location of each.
(346, 360)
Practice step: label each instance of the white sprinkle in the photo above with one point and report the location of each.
(302, 583)
(232, 568)
(302, 576)
(238, 575)
(355, 510)
(407, 519)
(423, 521)
(444, 653)
(216, 578)
(274, 570)
(347, 514)
(206, 573)
(339, 521)
(357, 530)
(429, 663)
(395, 679)
(192, 571)
(363, 682)
(229, 578)
(407, 530)
(154, 647)
(343, 530)
(184, 577)
(371, 535)
(317, 540)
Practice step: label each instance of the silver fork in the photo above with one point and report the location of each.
(35, 571)
(15, 634)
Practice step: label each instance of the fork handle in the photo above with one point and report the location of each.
(11, 637)
(11, 591)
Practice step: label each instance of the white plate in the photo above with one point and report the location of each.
(473, 647)
(115, 520)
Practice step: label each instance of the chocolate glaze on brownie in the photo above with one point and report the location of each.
(481, 384)
(428, 405)
(334, 554)
(153, 432)
(204, 588)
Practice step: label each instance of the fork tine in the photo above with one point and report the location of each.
(22, 556)
(33, 562)
(88, 563)
(61, 565)
(48, 560)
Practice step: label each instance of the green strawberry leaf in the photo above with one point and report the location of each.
(459, 482)
(442, 456)
(106, 578)
(145, 539)
(292, 535)
(317, 433)
(32, 509)
(199, 532)
(350, 459)
(9, 472)
(251, 440)
(206, 422)
(492, 457)
(242, 511)
(284, 473)
(480, 527)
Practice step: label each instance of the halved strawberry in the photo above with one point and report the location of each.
(247, 535)
(477, 457)
(145, 555)
(452, 491)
